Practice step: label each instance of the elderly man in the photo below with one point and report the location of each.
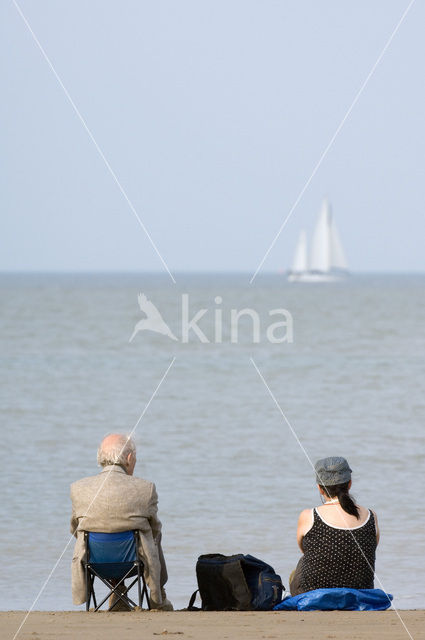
(113, 501)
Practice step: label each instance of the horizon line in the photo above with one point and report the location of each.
(159, 272)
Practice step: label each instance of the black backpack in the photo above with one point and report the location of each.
(236, 583)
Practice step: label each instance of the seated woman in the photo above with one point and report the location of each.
(338, 539)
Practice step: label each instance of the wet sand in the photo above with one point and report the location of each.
(350, 625)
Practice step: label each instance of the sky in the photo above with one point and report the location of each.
(212, 115)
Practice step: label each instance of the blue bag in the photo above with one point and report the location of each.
(342, 598)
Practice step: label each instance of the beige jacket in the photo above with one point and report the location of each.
(110, 502)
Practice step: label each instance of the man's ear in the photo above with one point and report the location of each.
(349, 484)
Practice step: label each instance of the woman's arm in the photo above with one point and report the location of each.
(304, 524)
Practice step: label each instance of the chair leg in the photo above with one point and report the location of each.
(147, 598)
(123, 596)
(139, 590)
(113, 589)
(94, 595)
(145, 593)
(87, 589)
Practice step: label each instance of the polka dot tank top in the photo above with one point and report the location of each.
(332, 557)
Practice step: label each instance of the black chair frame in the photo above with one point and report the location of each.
(136, 571)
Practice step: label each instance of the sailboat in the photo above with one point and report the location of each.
(327, 260)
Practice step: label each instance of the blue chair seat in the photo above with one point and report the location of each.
(112, 557)
(112, 554)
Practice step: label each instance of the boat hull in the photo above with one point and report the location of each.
(316, 277)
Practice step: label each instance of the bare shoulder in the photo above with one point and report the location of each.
(304, 515)
(364, 512)
(363, 509)
(304, 521)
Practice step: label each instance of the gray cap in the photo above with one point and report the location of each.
(332, 470)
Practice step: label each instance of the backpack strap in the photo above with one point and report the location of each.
(190, 606)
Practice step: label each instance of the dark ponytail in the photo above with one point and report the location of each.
(340, 491)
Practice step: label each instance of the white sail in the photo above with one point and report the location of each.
(337, 259)
(327, 259)
(321, 246)
(300, 258)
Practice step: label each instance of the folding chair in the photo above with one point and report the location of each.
(112, 557)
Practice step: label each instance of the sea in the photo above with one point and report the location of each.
(260, 381)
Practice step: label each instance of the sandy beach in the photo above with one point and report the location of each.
(349, 625)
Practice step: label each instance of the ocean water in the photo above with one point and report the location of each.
(230, 474)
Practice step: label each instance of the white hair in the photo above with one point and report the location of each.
(115, 452)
